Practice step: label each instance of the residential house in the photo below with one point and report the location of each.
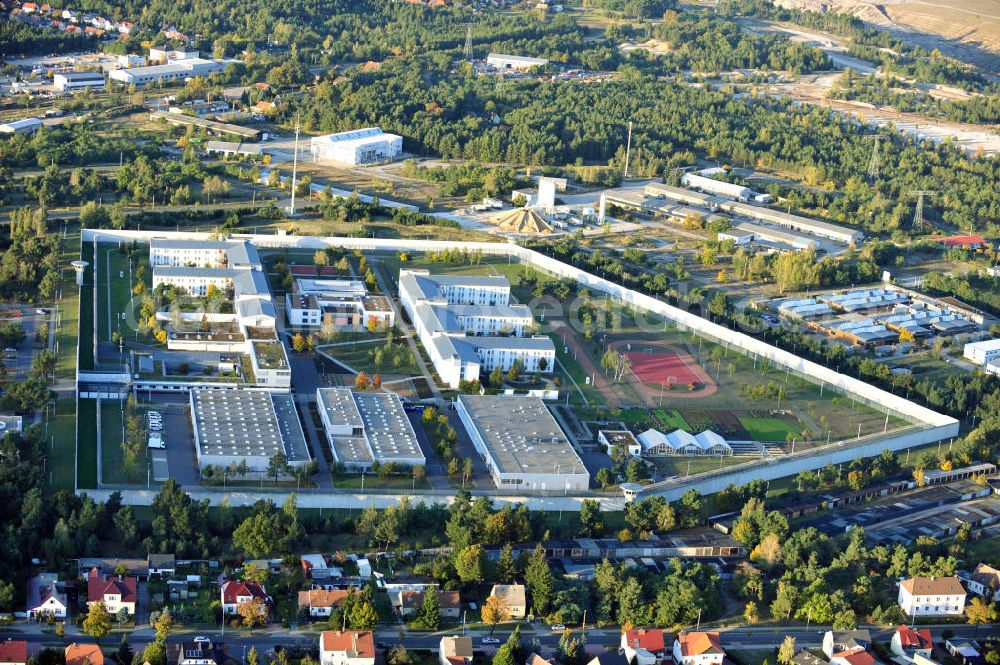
(236, 592)
(46, 597)
(454, 650)
(13, 652)
(138, 568)
(200, 651)
(117, 593)
(984, 581)
(908, 642)
(161, 565)
(932, 596)
(644, 647)
(855, 656)
(320, 602)
(804, 657)
(965, 650)
(534, 659)
(449, 603)
(316, 568)
(84, 654)
(351, 647)
(609, 658)
(836, 641)
(698, 648)
(513, 598)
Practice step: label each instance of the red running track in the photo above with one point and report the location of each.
(661, 368)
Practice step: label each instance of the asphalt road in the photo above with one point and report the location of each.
(754, 639)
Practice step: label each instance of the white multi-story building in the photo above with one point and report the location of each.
(984, 352)
(468, 326)
(234, 268)
(344, 303)
(932, 596)
(359, 146)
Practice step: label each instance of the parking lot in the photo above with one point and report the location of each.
(178, 460)
(19, 363)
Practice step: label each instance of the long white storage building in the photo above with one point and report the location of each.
(521, 443)
(358, 146)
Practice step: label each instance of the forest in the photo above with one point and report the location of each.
(904, 96)
(558, 123)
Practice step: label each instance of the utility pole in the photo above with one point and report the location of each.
(295, 168)
(628, 149)
(918, 214)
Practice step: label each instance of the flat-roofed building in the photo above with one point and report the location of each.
(787, 221)
(982, 353)
(23, 126)
(521, 443)
(517, 62)
(231, 426)
(362, 428)
(176, 70)
(68, 81)
(713, 186)
(341, 302)
(468, 326)
(358, 146)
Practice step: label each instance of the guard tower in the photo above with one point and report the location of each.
(79, 266)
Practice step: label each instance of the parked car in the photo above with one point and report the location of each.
(490, 640)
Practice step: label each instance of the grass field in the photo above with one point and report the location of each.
(374, 481)
(768, 429)
(112, 459)
(683, 466)
(62, 443)
(69, 310)
(361, 358)
(86, 319)
(87, 446)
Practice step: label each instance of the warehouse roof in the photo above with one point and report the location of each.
(247, 423)
(521, 434)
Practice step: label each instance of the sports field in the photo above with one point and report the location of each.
(664, 368)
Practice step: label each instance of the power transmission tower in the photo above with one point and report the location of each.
(468, 44)
(918, 214)
(873, 164)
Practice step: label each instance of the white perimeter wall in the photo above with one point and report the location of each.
(933, 426)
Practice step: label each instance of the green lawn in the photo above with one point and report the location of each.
(86, 321)
(362, 357)
(62, 442)
(112, 459)
(69, 311)
(87, 446)
(768, 429)
(374, 481)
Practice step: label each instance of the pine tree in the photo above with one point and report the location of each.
(538, 577)
(506, 571)
(429, 617)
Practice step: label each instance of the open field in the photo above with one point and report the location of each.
(68, 307)
(62, 444)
